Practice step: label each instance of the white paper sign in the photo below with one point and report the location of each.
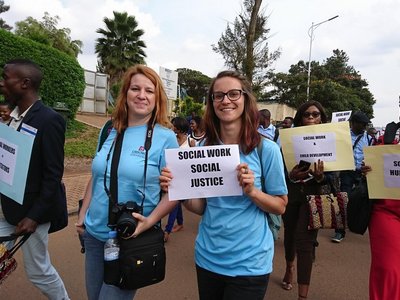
(8, 154)
(312, 147)
(391, 164)
(201, 172)
(15, 156)
(341, 116)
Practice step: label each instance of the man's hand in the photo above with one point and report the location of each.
(26, 225)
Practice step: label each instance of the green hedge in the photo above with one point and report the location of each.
(63, 80)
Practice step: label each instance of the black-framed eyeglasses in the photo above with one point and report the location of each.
(232, 95)
(314, 114)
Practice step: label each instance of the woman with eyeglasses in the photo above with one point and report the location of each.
(234, 246)
(298, 240)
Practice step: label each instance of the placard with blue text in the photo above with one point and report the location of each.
(15, 155)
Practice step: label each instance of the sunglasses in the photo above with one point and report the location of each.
(314, 114)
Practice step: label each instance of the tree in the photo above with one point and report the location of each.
(63, 77)
(46, 32)
(184, 107)
(194, 83)
(120, 45)
(334, 83)
(244, 46)
(4, 8)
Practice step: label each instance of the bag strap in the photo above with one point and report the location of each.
(357, 140)
(112, 193)
(105, 131)
(276, 136)
(18, 244)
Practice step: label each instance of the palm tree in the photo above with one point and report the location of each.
(120, 46)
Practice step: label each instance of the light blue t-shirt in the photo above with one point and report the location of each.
(130, 174)
(269, 133)
(234, 238)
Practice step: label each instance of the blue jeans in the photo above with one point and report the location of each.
(175, 214)
(96, 289)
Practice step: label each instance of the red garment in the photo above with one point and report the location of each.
(384, 232)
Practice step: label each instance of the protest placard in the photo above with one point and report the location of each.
(200, 172)
(341, 116)
(15, 155)
(384, 179)
(329, 142)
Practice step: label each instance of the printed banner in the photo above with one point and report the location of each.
(330, 143)
(15, 155)
(201, 172)
(384, 179)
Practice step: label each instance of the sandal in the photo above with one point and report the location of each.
(286, 285)
(287, 279)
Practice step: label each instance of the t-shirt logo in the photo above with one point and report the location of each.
(139, 153)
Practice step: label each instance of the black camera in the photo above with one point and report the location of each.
(124, 222)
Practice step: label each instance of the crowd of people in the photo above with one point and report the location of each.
(233, 257)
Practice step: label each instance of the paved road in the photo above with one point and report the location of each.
(340, 271)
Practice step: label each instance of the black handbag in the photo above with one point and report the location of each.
(359, 208)
(142, 259)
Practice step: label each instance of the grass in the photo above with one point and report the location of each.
(80, 140)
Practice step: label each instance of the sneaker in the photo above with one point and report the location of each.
(337, 238)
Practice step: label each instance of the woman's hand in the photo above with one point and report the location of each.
(165, 179)
(365, 169)
(245, 177)
(318, 171)
(299, 173)
(80, 226)
(142, 224)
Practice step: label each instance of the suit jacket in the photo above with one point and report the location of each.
(44, 199)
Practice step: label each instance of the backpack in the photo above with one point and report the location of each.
(274, 220)
(105, 131)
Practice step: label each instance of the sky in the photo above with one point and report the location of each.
(179, 34)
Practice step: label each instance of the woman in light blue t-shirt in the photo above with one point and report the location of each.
(142, 101)
(234, 247)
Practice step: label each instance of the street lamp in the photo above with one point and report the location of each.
(311, 35)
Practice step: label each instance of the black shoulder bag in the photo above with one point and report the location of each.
(141, 259)
(359, 207)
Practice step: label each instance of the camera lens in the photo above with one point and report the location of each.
(126, 225)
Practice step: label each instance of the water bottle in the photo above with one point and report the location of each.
(111, 247)
(111, 262)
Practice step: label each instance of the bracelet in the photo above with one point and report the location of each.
(322, 179)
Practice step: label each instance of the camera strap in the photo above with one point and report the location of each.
(112, 193)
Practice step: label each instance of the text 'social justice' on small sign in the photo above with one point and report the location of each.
(200, 172)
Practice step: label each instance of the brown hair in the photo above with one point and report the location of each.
(120, 115)
(249, 137)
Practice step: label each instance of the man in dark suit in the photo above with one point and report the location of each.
(44, 205)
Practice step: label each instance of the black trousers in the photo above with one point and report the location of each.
(213, 286)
